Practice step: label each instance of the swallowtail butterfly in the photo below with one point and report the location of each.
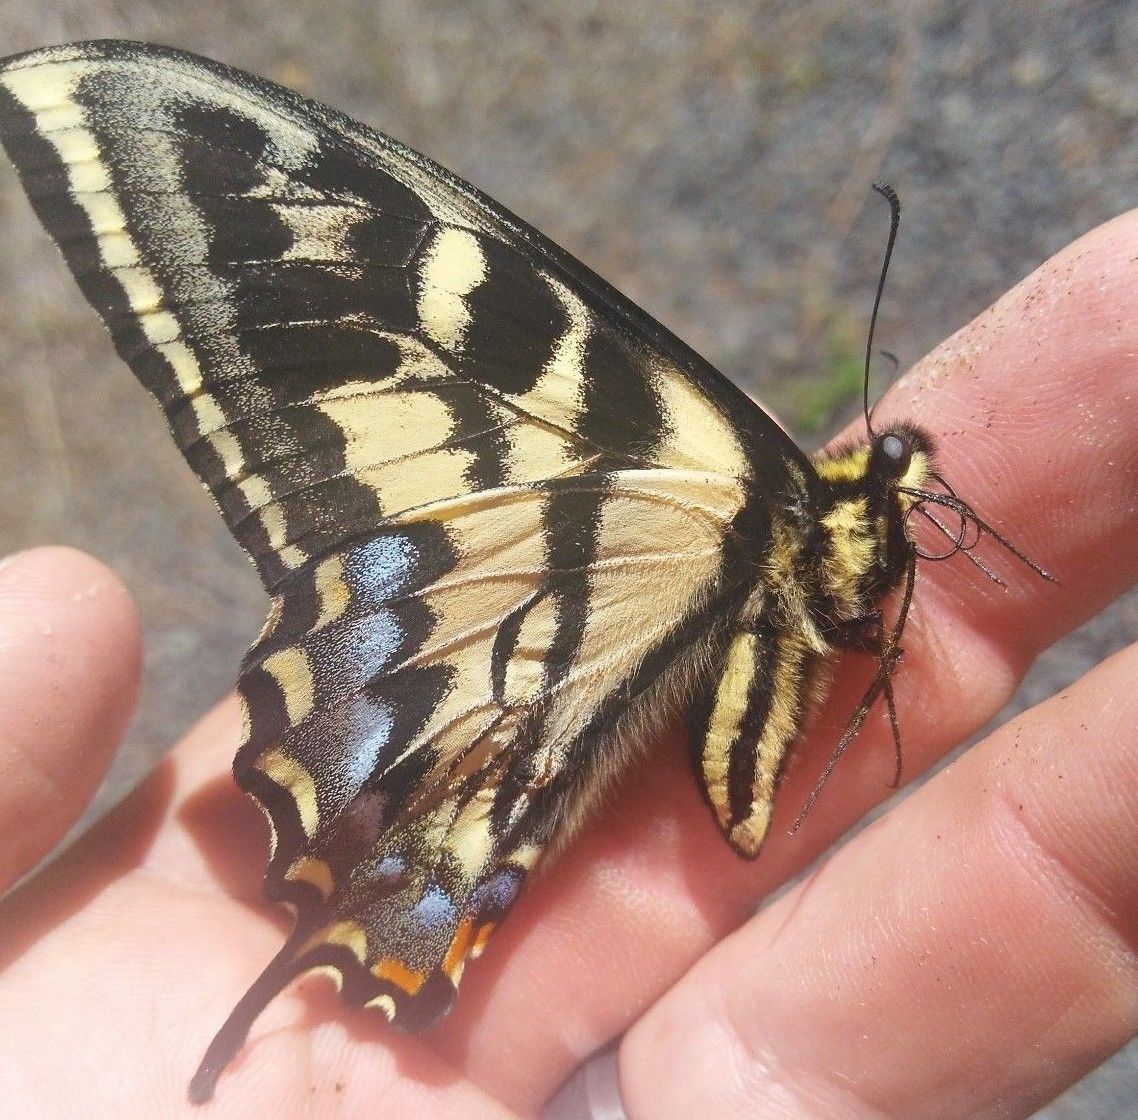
(502, 514)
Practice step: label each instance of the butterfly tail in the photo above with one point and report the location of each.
(231, 1037)
(406, 959)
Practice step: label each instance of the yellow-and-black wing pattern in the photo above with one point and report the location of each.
(501, 512)
(492, 500)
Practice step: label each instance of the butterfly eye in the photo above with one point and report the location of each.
(895, 454)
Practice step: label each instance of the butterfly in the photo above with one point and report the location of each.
(506, 519)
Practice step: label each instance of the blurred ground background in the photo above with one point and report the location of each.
(711, 160)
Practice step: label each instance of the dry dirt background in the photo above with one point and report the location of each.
(711, 160)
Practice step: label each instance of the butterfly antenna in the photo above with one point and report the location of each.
(890, 196)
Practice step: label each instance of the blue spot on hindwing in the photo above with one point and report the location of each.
(495, 895)
(378, 570)
(356, 651)
(345, 745)
(391, 869)
(369, 741)
(434, 909)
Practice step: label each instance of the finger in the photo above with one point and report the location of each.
(69, 671)
(970, 956)
(1027, 404)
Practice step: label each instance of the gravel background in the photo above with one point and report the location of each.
(711, 160)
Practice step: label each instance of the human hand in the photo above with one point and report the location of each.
(968, 956)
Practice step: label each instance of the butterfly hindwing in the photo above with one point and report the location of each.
(421, 700)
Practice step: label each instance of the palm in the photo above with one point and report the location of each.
(123, 959)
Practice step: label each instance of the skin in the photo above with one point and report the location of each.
(969, 955)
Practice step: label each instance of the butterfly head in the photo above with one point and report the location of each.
(871, 489)
(899, 467)
(877, 492)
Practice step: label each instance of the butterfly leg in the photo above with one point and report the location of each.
(741, 733)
